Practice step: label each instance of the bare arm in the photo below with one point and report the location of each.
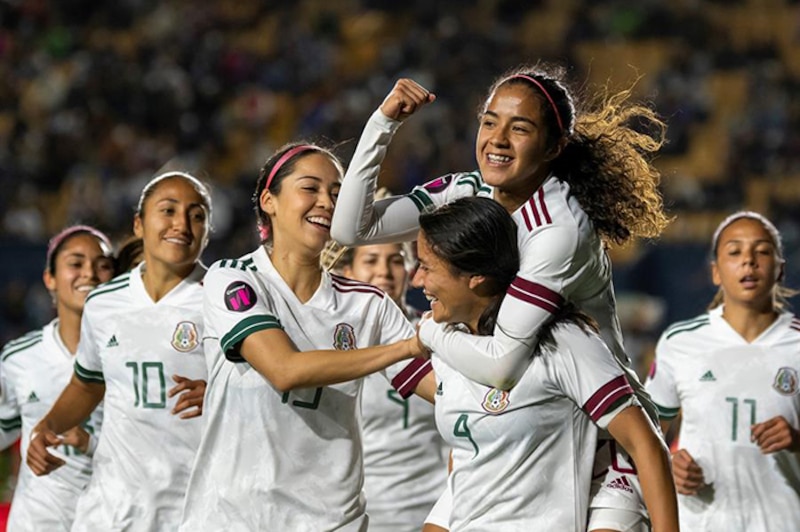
(633, 430)
(273, 354)
(73, 406)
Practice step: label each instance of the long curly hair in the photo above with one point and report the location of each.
(607, 156)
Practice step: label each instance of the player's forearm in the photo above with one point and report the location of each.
(357, 218)
(498, 361)
(633, 430)
(302, 369)
(73, 406)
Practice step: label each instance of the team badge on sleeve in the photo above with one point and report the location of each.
(438, 184)
(240, 296)
(344, 338)
(786, 381)
(184, 339)
(495, 401)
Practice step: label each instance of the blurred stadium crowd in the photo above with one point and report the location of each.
(97, 96)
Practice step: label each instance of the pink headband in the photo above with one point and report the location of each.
(59, 239)
(546, 95)
(285, 157)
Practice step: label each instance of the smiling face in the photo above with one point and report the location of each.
(173, 225)
(747, 266)
(300, 214)
(450, 293)
(80, 265)
(383, 265)
(511, 147)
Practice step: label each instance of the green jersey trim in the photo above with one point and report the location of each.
(688, 326)
(11, 423)
(245, 328)
(420, 199)
(667, 413)
(87, 375)
(21, 344)
(107, 289)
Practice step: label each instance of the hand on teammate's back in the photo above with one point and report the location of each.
(687, 473)
(405, 98)
(192, 396)
(775, 435)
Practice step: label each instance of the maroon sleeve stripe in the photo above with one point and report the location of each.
(603, 398)
(545, 212)
(535, 211)
(538, 290)
(533, 300)
(526, 218)
(406, 381)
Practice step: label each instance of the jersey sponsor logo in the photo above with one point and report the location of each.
(620, 483)
(438, 184)
(240, 296)
(786, 381)
(708, 376)
(495, 401)
(112, 342)
(33, 398)
(184, 339)
(344, 338)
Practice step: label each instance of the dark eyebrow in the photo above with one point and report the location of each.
(513, 118)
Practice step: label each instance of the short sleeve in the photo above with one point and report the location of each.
(394, 326)
(235, 305)
(445, 189)
(10, 417)
(586, 372)
(88, 364)
(661, 382)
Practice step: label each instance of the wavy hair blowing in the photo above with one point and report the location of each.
(607, 158)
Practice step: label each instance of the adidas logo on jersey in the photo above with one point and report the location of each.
(113, 341)
(33, 398)
(620, 483)
(439, 390)
(708, 376)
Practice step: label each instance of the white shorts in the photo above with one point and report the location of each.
(440, 513)
(616, 495)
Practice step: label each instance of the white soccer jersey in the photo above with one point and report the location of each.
(722, 385)
(405, 462)
(145, 453)
(522, 460)
(562, 258)
(293, 460)
(35, 370)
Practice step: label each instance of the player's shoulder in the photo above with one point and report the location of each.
(109, 291)
(245, 263)
(550, 210)
(357, 291)
(24, 343)
(687, 329)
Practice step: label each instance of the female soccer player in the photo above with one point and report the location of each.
(281, 448)
(732, 374)
(522, 459)
(36, 367)
(405, 466)
(571, 177)
(140, 330)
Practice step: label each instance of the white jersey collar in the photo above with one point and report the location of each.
(141, 297)
(768, 336)
(323, 296)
